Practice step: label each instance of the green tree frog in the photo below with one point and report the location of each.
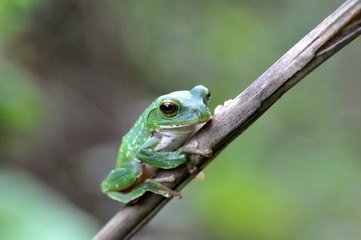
(155, 142)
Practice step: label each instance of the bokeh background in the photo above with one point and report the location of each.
(75, 75)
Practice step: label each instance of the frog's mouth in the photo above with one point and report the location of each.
(196, 125)
(179, 126)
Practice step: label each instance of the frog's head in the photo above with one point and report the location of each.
(180, 109)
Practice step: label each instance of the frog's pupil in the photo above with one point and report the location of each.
(168, 107)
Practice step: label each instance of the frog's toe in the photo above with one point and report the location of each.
(170, 178)
(206, 152)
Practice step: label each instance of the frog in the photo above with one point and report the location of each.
(156, 142)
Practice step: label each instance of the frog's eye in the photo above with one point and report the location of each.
(207, 96)
(168, 108)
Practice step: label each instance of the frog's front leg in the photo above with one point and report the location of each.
(165, 160)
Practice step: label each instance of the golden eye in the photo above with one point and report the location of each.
(168, 108)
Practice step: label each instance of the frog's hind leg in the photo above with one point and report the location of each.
(157, 188)
(121, 183)
(126, 197)
(148, 185)
(121, 178)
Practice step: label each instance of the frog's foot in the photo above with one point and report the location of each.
(225, 105)
(157, 188)
(193, 149)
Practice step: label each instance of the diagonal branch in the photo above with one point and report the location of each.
(335, 32)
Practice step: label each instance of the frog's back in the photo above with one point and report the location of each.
(135, 138)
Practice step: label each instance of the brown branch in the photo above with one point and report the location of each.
(330, 36)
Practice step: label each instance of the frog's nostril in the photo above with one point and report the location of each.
(195, 113)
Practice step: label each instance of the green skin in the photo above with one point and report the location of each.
(153, 143)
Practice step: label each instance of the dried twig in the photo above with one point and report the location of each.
(331, 35)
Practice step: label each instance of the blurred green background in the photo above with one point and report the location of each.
(75, 75)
